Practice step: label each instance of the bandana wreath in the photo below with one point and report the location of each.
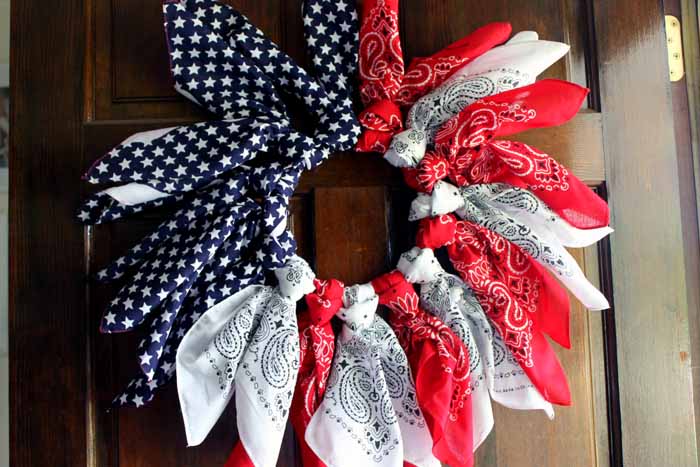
(410, 386)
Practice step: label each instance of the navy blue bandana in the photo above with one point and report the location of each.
(220, 238)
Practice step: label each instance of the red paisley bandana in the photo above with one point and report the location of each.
(426, 73)
(467, 152)
(383, 85)
(316, 346)
(520, 298)
(440, 366)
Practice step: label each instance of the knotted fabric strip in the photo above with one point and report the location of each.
(467, 152)
(369, 415)
(512, 65)
(495, 372)
(440, 365)
(421, 267)
(247, 346)
(221, 239)
(384, 87)
(522, 301)
(474, 203)
(316, 345)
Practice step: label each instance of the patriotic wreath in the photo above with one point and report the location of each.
(414, 388)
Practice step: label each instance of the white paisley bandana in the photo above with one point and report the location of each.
(247, 346)
(369, 415)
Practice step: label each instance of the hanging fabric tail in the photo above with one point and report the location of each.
(426, 73)
(381, 73)
(369, 414)
(440, 367)
(510, 288)
(502, 378)
(419, 266)
(247, 346)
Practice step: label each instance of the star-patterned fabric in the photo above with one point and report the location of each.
(229, 226)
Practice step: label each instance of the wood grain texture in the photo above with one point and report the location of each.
(48, 330)
(648, 259)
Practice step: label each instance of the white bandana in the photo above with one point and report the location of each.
(247, 344)
(369, 415)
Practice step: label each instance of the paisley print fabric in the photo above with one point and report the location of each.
(466, 146)
(385, 88)
(246, 346)
(522, 301)
(539, 242)
(514, 64)
(440, 364)
(369, 414)
(495, 374)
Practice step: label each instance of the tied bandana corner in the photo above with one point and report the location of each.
(220, 240)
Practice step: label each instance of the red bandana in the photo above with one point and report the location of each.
(316, 346)
(383, 85)
(521, 299)
(467, 152)
(440, 366)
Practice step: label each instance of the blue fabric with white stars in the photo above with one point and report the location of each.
(229, 228)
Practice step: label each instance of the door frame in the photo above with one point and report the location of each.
(50, 420)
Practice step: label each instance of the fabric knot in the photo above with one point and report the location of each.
(420, 266)
(444, 199)
(396, 293)
(407, 148)
(381, 121)
(359, 306)
(431, 169)
(296, 279)
(436, 232)
(325, 301)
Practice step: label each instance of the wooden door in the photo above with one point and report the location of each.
(87, 73)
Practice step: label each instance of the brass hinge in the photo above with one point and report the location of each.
(674, 44)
